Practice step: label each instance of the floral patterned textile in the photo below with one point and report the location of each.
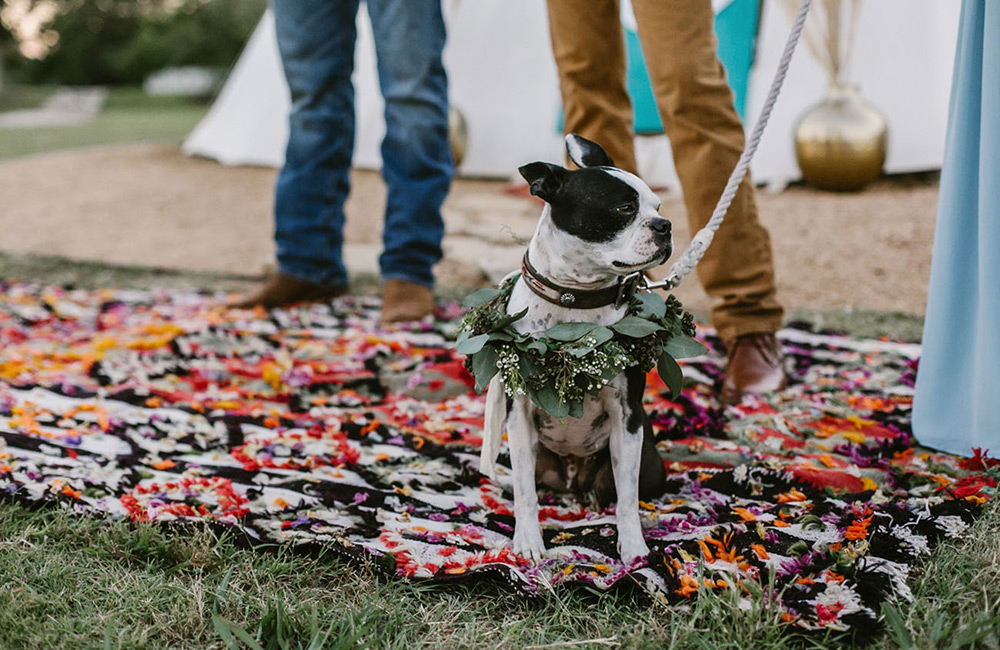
(313, 426)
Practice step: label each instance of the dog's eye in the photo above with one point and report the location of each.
(627, 208)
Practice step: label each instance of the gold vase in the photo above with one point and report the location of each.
(458, 134)
(840, 143)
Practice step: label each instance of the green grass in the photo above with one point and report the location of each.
(81, 582)
(13, 98)
(956, 594)
(129, 115)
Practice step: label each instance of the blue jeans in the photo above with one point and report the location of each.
(316, 39)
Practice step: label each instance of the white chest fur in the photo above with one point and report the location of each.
(566, 436)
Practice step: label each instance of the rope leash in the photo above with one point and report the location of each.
(699, 244)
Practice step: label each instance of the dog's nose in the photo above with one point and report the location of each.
(660, 226)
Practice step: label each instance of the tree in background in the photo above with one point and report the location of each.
(8, 47)
(110, 42)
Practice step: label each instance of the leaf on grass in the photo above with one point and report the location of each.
(897, 627)
(671, 374)
(683, 347)
(232, 633)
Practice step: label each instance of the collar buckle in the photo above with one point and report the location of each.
(627, 286)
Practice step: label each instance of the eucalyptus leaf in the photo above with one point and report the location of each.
(576, 409)
(651, 304)
(526, 366)
(683, 347)
(636, 327)
(538, 346)
(609, 372)
(504, 321)
(570, 331)
(670, 373)
(473, 344)
(501, 336)
(601, 335)
(548, 399)
(484, 366)
(581, 351)
(479, 297)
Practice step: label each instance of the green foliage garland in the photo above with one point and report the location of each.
(568, 361)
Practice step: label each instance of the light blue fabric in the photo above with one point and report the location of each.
(957, 402)
(316, 40)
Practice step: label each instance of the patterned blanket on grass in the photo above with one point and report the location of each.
(312, 426)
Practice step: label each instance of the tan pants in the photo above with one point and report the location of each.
(705, 132)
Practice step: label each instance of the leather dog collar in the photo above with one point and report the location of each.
(544, 288)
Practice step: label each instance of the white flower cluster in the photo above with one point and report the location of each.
(508, 363)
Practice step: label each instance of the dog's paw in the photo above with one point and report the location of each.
(529, 544)
(632, 550)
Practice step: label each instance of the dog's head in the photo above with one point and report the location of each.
(609, 216)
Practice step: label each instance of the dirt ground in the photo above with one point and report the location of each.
(148, 205)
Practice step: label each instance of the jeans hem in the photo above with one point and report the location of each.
(313, 276)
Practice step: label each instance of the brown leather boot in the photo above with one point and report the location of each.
(283, 289)
(756, 367)
(405, 301)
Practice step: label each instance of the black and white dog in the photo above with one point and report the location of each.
(599, 225)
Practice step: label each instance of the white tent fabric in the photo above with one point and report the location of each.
(501, 76)
(248, 122)
(503, 79)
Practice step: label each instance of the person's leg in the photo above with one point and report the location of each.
(706, 136)
(589, 47)
(416, 158)
(316, 40)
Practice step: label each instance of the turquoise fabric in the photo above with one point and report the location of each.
(957, 402)
(646, 117)
(736, 28)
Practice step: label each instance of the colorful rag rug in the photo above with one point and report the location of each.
(311, 426)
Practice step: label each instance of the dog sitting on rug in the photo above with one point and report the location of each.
(584, 429)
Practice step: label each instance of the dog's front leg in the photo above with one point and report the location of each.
(522, 438)
(626, 454)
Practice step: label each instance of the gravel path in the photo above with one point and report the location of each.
(149, 205)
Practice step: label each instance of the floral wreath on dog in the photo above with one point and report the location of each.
(559, 367)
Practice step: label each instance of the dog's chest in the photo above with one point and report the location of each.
(589, 433)
(568, 436)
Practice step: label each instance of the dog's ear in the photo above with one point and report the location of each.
(585, 153)
(543, 178)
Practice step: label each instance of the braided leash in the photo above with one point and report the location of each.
(700, 242)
